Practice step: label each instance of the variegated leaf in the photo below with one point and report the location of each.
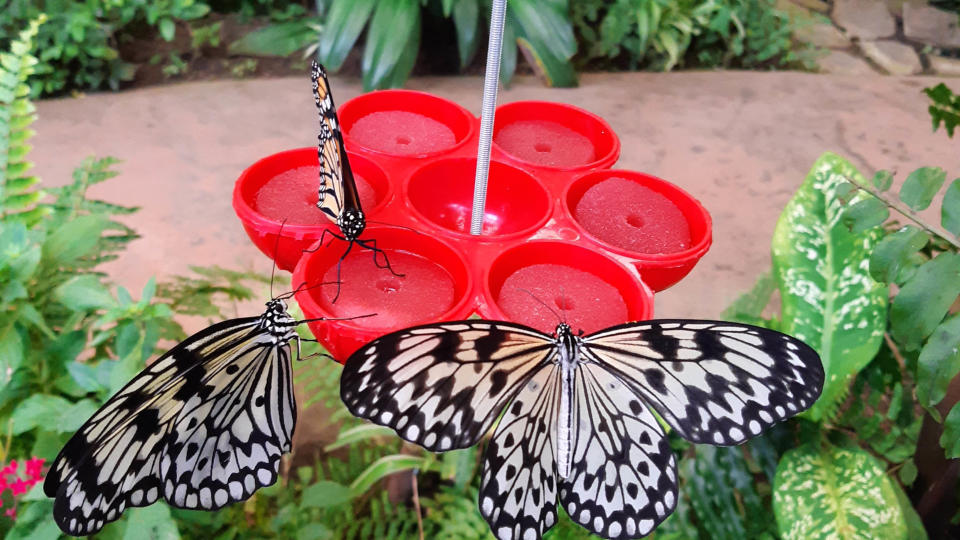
(836, 493)
(828, 298)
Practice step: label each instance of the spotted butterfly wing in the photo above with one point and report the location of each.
(338, 188)
(203, 426)
(576, 422)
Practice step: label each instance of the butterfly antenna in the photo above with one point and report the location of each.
(276, 249)
(336, 318)
(544, 304)
(393, 225)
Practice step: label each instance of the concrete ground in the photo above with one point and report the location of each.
(741, 142)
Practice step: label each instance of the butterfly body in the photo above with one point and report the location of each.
(203, 426)
(575, 412)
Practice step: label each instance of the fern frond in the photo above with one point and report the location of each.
(18, 195)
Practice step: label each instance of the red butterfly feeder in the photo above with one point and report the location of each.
(560, 227)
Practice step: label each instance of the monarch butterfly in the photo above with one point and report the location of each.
(575, 419)
(338, 197)
(203, 426)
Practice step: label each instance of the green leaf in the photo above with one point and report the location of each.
(915, 528)
(11, 353)
(167, 29)
(324, 494)
(278, 39)
(908, 472)
(895, 252)
(53, 413)
(920, 187)
(747, 308)
(924, 300)
(828, 298)
(153, 522)
(391, 29)
(386, 466)
(401, 71)
(882, 180)
(84, 293)
(508, 55)
(351, 436)
(939, 362)
(466, 20)
(74, 239)
(950, 440)
(314, 531)
(545, 38)
(865, 214)
(34, 523)
(837, 493)
(950, 211)
(341, 29)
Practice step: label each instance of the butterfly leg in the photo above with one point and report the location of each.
(322, 238)
(339, 265)
(371, 244)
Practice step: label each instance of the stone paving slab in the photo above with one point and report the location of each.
(739, 141)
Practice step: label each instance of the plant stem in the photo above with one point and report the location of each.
(911, 215)
(416, 503)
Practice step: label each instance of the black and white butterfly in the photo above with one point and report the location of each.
(338, 196)
(203, 426)
(576, 421)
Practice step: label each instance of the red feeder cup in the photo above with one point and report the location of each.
(554, 136)
(404, 123)
(435, 286)
(284, 186)
(441, 193)
(587, 289)
(659, 226)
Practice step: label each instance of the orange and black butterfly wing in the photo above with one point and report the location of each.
(338, 189)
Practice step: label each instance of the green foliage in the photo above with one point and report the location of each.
(78, 45)
(831, 492)
(18, 195)
(828, 298)
(663, 34)
(541, 30)
(944, 108)
(836, 256)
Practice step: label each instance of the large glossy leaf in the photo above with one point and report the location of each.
(280, 39)
(836, 493)
(401, 70)
(466, 19)
(341, 29)
(748, 307)
(393, 24)
(545, 36)
(828, 298)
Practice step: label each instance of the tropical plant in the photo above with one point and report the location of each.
(663, 34)
(78, 46)
(541, 31)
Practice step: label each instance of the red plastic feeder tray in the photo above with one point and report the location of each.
(538, 254)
